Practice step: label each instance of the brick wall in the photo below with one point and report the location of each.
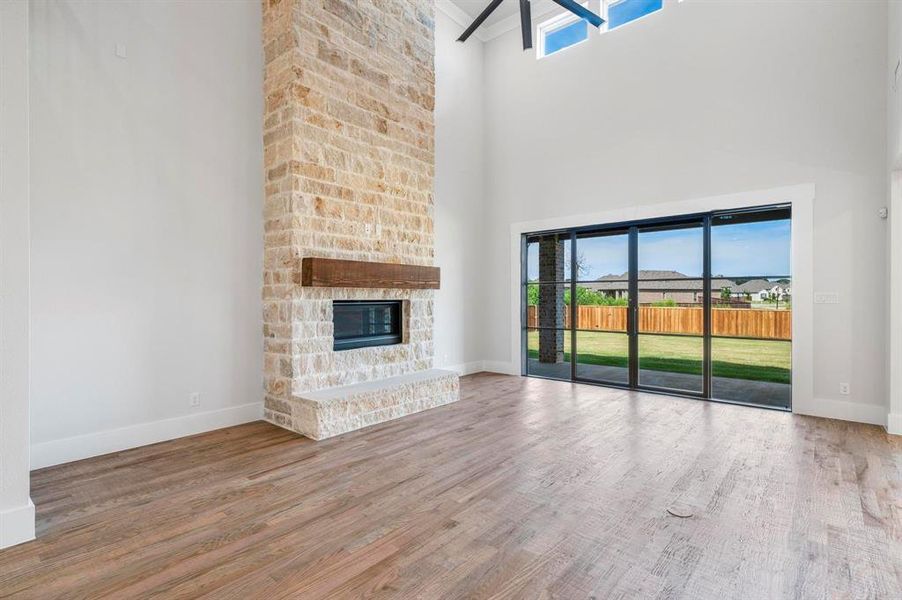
(551, 299)
(349, 157)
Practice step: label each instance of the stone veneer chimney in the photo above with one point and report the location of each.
(349, 157)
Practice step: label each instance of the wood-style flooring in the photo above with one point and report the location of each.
(526, 488)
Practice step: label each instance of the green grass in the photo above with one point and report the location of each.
(757, 360)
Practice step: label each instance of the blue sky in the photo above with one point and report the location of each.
(736, 250)
(619, 13)
(566, 36)
(629, 10)
(751, 249)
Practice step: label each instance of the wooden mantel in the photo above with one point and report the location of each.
(331, 272)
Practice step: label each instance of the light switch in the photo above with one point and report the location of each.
(121, 51)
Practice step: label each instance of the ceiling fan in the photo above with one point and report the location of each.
(526, 18)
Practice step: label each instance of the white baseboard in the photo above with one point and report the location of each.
(55, 452)
(466, 368)
(17, 525)
(500, 366)
(488, 366)
(894, 423)
(874, 414)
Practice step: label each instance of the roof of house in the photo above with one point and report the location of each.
(672, 281)
(755, 285)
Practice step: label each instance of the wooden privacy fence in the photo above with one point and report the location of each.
(734, 322)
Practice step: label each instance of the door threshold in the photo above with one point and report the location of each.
(662, 392)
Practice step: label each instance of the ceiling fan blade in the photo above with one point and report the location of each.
(581, 12)
(482, 17)
(526, 23)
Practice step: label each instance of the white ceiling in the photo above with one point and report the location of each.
(507, 11)
(474, 7)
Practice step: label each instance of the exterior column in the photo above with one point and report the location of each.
(551, 300)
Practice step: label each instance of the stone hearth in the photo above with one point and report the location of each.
(349, 156)
(333, 411)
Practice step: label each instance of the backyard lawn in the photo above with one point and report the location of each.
(757, 360)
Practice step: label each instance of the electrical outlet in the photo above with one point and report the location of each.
(368, 228)
(826, 298)
(844, 388)
(194, 399)
(121, 51)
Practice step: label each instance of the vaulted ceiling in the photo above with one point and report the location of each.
(509, 9)
(474, 7)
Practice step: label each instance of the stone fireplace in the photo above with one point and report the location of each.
(349, 156)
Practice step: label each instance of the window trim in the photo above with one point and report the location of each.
(551, 25)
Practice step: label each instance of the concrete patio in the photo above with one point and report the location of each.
(763, 393)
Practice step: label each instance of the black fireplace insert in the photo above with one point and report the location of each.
(364, 323)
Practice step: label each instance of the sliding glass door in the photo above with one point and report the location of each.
(670, 299)
(601, 317)
(695, 305)
(751, 325)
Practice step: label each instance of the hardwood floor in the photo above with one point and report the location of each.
(526, 488)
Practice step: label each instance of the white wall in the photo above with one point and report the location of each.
(701, 99)
(146, 216)
(459, 240)
(16, 509)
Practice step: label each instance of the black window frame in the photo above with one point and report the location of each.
(632, 228)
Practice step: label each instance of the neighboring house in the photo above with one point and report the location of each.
(754, 286)
(655, 286)
(782, 292)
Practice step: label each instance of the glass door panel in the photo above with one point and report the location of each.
(671, 362)
(548, 339)
(548, 258)
(670, 307)
(602, 307)
(546, 294)
(548, 353)
(603, 357)
(751, 311)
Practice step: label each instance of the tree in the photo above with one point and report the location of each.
(584, 296)
(582, 269)
(532, 294)
(725, 294)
